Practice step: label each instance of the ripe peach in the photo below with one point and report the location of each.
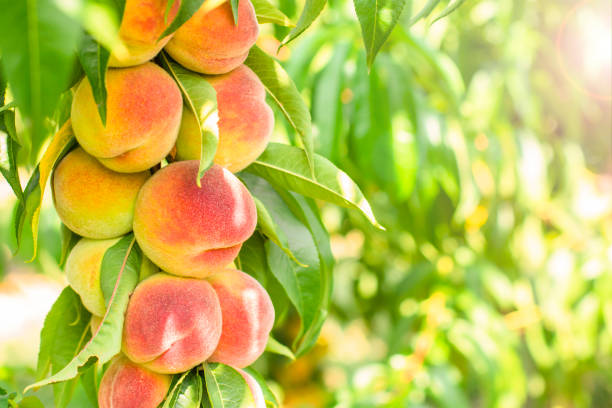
(245, 121)
(143, 106)
(126, 385)
(189, 230)
(210, 43)
(171, 324)
(248, 317)
(92, 200)
(256, 391)
(142, 24)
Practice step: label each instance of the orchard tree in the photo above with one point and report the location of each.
(185, 231)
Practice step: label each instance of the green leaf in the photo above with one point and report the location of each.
(234, 4)
(377, 19)
(449, 9)
(37, 47)
(268, 227)
(30, 402)
(28, 211)
(269, 396)
(106, 341)
(69, 240)
(282, 90)
(276, 347)
(65, 332)
(89, 382)
(186, 9)
(425, 11)
(94, 60)
(8, 156)
(226, 387)
(115, 261)
(312, 9)
(201, 98)
(267, 13)
(286, 167)
(186, 392)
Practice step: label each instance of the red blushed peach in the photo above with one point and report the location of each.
(210, 43)
(142, 23)
(171, 324)
(248, 317)
(245, 121)
(189, 230)
(256, 391)
(144, 107)
(128, 385)
(92, 200)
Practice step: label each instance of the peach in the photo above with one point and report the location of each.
(210, 43)
(258, 397)
(245, 121)
(127, 385)
(144, 107)
(248, 317)
(171, 324)
(83, 267)
(92, 200)
(189, 230)
(142, 23)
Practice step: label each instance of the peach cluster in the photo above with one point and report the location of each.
(191, 305)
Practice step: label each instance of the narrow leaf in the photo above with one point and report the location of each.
(267, 13)
(377, 20)
(187, 9)
(312, 9)
(8, 157)
(234, 4)
(69, 240)
(186, 392)
(94, 60)
(449, 9)
(276, 347)
(106, 341)
(201, 99)
(286, 167)
(269, 396)
(425, 11)
(282, 90)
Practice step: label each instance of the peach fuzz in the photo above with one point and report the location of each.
(210, 43)
(245, 121)
(248, 316)
(127, 385)
(171, 324)
(142, 24)
(189, 230)
(258, 397)
(92, 200)
(144, 107)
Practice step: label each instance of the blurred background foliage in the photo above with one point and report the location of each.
(484, 143)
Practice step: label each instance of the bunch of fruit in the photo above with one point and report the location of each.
(198, 307)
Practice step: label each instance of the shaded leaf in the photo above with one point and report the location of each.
(94, 60)
(8, 155)
(201, 98)
(69, 240)
(286, 167)
(226, 388)
(282, 90)
(186, 9)
(187, 391)
(269, 396)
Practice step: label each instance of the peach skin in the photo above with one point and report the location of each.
(210, 43)
(189, 230)
(171, 324)
(128, 385)
(142, 23)
(144, 107)
(245, 121)
(248, 317)
(92, 200)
